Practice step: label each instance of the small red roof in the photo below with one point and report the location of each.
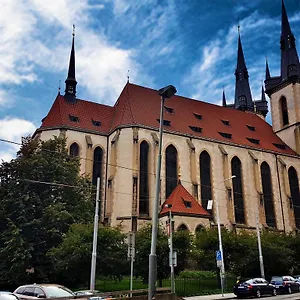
(140, 106)
(183, 203)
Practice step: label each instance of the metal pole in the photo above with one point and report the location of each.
(94, 252)
(261, 260)
(171, 254)
(131, 272)
(152, 256)
(222, 269)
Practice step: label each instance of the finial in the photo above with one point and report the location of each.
(127, 76)
(73, 30)
(239, 26)
(59, 87)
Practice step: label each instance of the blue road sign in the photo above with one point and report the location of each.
(218, 255)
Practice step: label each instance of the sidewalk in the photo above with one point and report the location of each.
(212, 297)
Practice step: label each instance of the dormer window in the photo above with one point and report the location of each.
(225, 122)
(169, 110)
(73, 118)
(199, 117)
(187, 204)
(196, 129)
(280, 146)
(253, 141)
(165, 122)
(96, 123)
(226, 135)
(252, 128)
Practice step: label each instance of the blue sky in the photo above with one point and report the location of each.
(191, 44)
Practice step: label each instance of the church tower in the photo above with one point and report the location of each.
(284, 90)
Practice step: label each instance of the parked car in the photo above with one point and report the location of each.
(254, 287)
(8, 296)
(38, 291)
(285, 284)
(92, 295)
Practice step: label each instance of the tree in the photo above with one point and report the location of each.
(73, 255)
(181, 242)
(35, 212)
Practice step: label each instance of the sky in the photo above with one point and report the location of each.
(191, 44)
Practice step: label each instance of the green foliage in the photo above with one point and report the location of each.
(198, 274)
(73, 255)
(34, 215)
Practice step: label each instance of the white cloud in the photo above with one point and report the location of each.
(13, 129)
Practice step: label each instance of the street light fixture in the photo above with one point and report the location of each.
(222, 270)
(171, 249)
(165, 92)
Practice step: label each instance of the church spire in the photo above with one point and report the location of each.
(224, 104)
(268, 75)
(289, 55)
(243, 98)
(71, 82)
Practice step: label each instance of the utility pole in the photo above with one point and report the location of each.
(261, 260)
(94, 252)
(171, 255)
(131, 256)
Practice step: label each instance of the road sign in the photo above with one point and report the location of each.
(219, 258)
(174, 260)
(131, 245)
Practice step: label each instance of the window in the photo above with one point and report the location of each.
(196, 129)
(73, 118)
(171, 169)
(169, 109)
(74, 150)
(96, 123)
(225, 122)
(38, 292)
(279, 146)
(253, 141)
(144, 179)
(236, 169)
(284, 111)
(252, 128)
(97, 165)
(295, 194)
(199, 117)
(182, 227)
(165, 122)
(226, 135)
(267, 194)
(205, 178)
(187, 204)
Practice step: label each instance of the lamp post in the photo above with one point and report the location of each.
(171, 248)
(222, 270)
(260, 254)
(165, 92)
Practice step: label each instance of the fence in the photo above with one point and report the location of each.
(184, 286)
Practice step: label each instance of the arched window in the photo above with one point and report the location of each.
(267, 194)
(74, 150)
(236, 169)
(294, 188)
(205, 180)
(284, 111)
(199, 228)
(97, 164)
(182, 227)
(144, 183)
(171, 169)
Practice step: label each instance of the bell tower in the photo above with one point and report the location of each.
(284, 90)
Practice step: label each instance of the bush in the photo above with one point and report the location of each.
(198, 274)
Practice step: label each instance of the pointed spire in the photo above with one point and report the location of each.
(289, 56)
(263, 95)
(268, 76)
(71, 80)
(224, 104)
(243, 98)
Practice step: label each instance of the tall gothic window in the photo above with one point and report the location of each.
(74, 150)
(268, 194)
(171, 169)
(97, 164)
(236, 169)
(205, 171)
(144, 179)
(284, 111)
(294, 188)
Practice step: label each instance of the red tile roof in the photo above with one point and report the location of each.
(178, 198)
(139, 105)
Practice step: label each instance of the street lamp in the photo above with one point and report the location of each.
(222, 270)
(171, 248)
(165, 92)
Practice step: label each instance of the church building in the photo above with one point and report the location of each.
(204, 146)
